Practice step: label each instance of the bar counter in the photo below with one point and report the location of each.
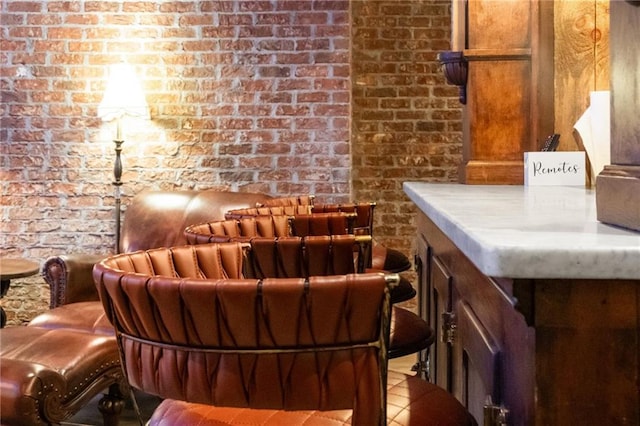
(536, 304)
(530, 232)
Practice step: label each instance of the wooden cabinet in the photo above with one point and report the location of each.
(529, 351)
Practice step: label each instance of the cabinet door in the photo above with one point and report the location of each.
(422, 263)
(441, 320)
(477, 367)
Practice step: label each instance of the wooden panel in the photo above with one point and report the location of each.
(480, 358)
(587, 357)
(423, 270)
(440, 364)
(500, 129)
(493, 308)
(581, 61)
(625, 99)
(509, 91)
(493, 24)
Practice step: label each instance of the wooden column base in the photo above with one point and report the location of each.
(476, 172)
(618, 196)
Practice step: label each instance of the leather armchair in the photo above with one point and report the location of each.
(68, 355)
(153, 219)
(305, 351)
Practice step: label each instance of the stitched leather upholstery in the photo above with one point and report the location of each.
(289, 257)
(209, 333)
(62, 364)
(48, 386)
(242, 229)
(209, 344)
(410, 402)
(294, 257)
(383, 258)
(246, 226)
(267, 211)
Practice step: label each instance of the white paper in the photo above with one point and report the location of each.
(594, 127)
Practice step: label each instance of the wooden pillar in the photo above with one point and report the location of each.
(618, 185)
(509, 110)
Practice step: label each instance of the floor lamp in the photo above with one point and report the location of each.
(123, 96)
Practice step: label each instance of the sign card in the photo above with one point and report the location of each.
(558, 168)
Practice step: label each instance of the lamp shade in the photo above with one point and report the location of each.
(123, 95)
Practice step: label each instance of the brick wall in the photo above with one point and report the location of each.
(280, 96)
(406, 121)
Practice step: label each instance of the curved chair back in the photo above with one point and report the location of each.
(299, 200)
(295, 257)
(286, 210)
(242, 229)
(295, 344)
(363, 210)
(325, 248)
(383, 258)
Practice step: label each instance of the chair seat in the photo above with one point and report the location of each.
(411, 402)
(403, 291)
(409, 333)
(47, 375)
(389, 259)
(87, 317)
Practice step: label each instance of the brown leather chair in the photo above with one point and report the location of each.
(47, 375)
(384, 258)
(244, 224)
(260, 351)
(293, 257)
(153, 219)
(68, 355)
(273, 254)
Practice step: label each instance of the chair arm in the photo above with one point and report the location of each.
(69, 278)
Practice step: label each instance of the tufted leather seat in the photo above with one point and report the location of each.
(46, 375)
(217, 348)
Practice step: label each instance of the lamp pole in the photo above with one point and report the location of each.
(123, 96)
(117, 182)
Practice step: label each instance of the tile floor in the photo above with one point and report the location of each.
(90, 416)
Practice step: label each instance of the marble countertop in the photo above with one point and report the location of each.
(530, 232)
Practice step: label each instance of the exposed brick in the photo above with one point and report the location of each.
(343, 99)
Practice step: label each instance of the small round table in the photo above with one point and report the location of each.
(10, 269)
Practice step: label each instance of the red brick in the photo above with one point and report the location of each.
(139, 6)
(101, 6)
(25, 6)
(81, 19)
(64, 33)
(63, 6)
